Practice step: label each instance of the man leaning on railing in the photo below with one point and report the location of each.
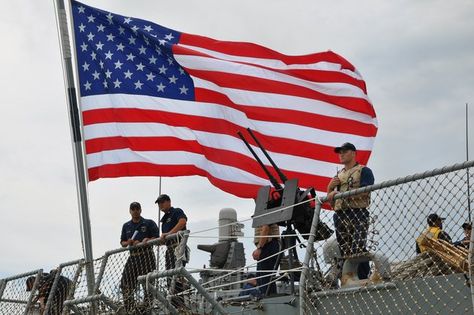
(173, 221)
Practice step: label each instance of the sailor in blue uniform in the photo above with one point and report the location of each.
(142, 260)
(172, 222)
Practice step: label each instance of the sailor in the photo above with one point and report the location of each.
(351, 217)
(467, 228)
(434, 231)
(172, 222)
(141, 260)
(45, 285)
(267, 246)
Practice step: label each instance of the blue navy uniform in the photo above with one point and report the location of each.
(171, 218)
(265, 263)
(141, 260)
(168, 222)
(146, 229)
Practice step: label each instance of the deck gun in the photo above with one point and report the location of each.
(284, 198)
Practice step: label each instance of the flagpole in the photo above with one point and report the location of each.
(159, 232)
(159, 193)
(74, 118)
(467, 159)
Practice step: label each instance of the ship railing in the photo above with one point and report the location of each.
(38, 292)
(177, 302)
(66, 286)
(397, 216)
(117, 272)
(14, 297)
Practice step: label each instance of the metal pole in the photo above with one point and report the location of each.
(81, 177)
(159, 231)
(467, 169)
(3, 285)
(159, 212)
(471, 266)
(53, 290)
(309, 253)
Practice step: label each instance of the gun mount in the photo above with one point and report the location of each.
(228, 253)
(285, 208)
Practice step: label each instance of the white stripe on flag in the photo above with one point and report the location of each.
(211, 64)
(211, 140)
(220, 171)
(282, 101)
(275, 63)
(283, 130)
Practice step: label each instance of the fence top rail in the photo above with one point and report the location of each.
(22, 275)
(403, 180)
(156, 241)
(71, 263)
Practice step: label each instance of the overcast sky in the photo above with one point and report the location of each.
(417, 58)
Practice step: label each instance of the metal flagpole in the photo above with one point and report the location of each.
(81, 179)
(467, 159)
(159, 231)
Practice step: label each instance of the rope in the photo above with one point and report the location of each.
(254, 217)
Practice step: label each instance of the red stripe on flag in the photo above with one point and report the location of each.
(244, 82)
(147, 169)
(218, 126)
(223, 157)
(318, 76)
(334, 124)
(258, 51)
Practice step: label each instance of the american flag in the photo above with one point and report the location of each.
(157, 102)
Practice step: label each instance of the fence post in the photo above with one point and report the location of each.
(307, 257)
(101, 272)
(35, 286)
(53, 289)
(3, 284)
(471, 265)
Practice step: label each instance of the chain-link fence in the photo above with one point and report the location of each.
(400, 247)
(407, 253)
(19, 293)
(117, 289)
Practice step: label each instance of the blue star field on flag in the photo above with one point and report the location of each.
(118, 54)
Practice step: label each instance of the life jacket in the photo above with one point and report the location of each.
(431, 232)
(274, 233)
(350, 179)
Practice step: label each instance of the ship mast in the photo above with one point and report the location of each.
(467, 169)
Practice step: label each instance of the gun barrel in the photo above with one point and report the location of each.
(277, 169)
(269, 175)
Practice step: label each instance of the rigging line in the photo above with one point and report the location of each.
(281, 236)
(236, 271)
(258, 216)
(285, 274)
(251, 265)
(196, 270)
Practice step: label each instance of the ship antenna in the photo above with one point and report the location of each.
(467, 169)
